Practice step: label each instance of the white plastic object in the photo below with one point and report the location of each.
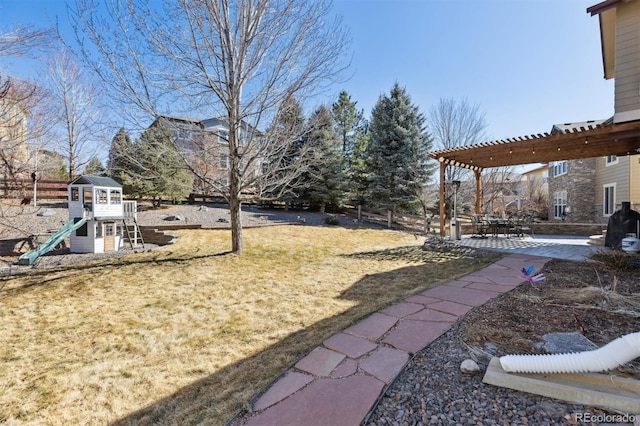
(614, 354)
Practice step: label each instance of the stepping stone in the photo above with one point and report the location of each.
(281, 389)
(401, 310)
(412, 336)
(349, 345)
(385, 363)
(467, 296)
(342, 402)
(423, 300)
(320, 362)
(346, 368)
(452, 308)
(433, 315)
(372, 327)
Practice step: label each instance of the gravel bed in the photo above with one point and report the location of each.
(433, 391)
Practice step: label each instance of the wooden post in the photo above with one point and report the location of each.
(478, 191)
(443, 166)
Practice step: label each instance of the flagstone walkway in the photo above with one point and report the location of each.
(339, 382)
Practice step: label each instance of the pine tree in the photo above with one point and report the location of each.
(396, 156)
(347, 120)
(119, 154)
(159, 172)
(326, 174)
(94, 167)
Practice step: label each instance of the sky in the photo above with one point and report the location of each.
(527, 64)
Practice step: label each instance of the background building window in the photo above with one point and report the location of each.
(559, 168)
(559, 204)
(224, 161)
(223, 136)
(609, 199)
(610, 160)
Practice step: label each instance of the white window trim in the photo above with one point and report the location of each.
(608, 163)
(604, 205)
(559, 164)
(226, 138)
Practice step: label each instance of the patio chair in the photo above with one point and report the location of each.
(480, 226)
(524, 226)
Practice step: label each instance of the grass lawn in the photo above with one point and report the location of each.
(189, 333)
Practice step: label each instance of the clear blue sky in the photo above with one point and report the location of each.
(527, 63)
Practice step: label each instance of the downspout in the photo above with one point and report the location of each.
(614, 354)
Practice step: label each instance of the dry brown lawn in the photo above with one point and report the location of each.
(189, 333)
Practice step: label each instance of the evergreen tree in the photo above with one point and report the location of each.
(358, 174)
(94, 167)
(120, 153)
(326, 175)
(396, 156)
(283, 173)
(159, 172)
(347, 120)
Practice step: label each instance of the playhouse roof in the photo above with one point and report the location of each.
(96, 181)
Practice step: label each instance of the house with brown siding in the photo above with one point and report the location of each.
(592, 189)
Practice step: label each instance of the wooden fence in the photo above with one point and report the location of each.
(47, 189)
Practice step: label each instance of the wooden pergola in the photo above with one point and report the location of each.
(570, 144)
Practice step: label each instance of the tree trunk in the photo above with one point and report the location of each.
(322, 207)
(389, 218)
(235, 206)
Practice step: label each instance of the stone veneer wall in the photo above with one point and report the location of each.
(579, 182)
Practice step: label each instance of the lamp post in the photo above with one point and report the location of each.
(456, 186)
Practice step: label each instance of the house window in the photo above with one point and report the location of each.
(101, 196)
(224, 161)
(223, 136)
(87, 196)
(609, 199)
(75, 194)
(99, 230)
(559, 204)
(610, 160)
(115, 196)
(559, 168)
(108, 229)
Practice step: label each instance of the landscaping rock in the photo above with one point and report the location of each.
(560, 343)
(469, 366)
(46, 213)
(173, 217)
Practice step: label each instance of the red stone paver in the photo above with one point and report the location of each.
(281, 389)
(452, 308)
(467, 296)
(320, 361)
(334, 393)
(422, 300)
(385, 363)
(433, 315)
(411, 336)
(498, 288)
(349, 345)
(343, 402)
(346, 368)
(401, 310)
(372, 327)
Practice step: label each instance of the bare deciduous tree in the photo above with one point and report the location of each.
(76, 98)
(236, 59)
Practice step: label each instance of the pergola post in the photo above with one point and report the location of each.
(443, 166)
(478, 174)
